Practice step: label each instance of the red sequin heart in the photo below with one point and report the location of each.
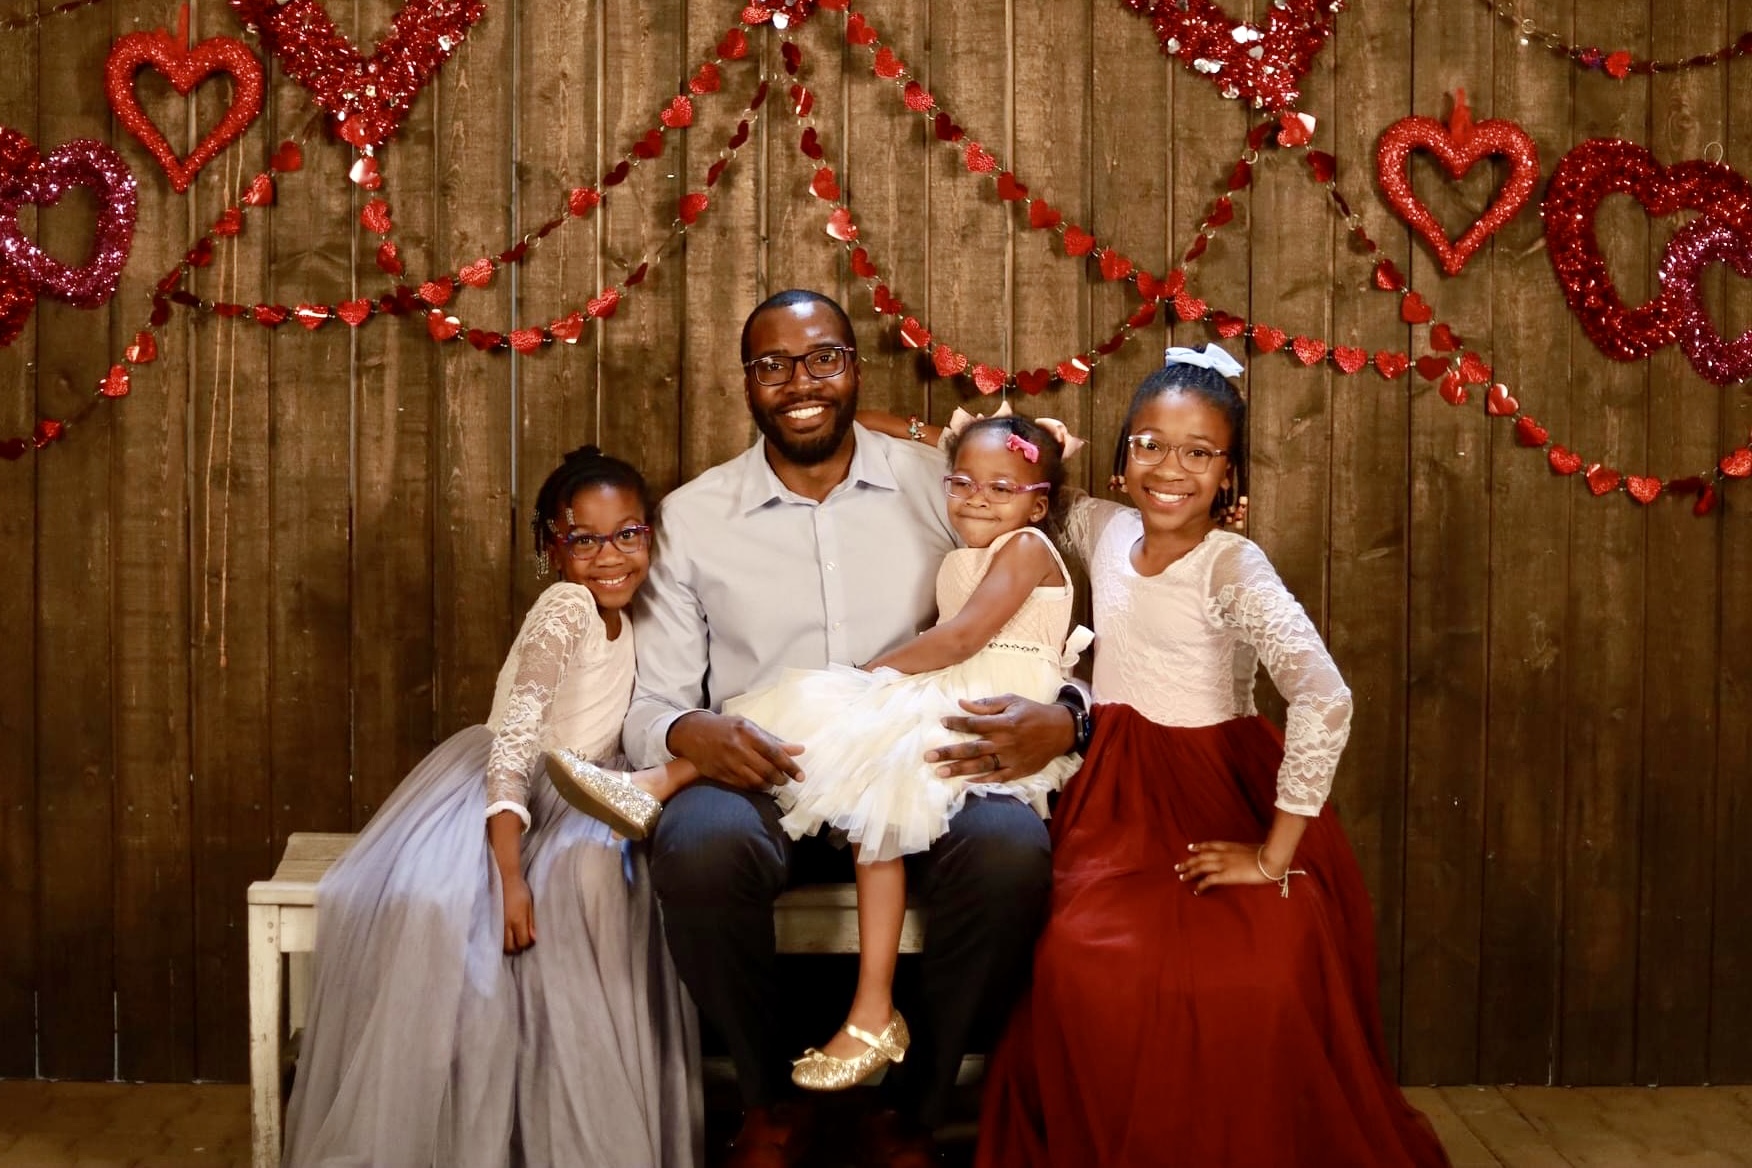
(1390, 364)
(947, 361)
(387, 259)
(1114, 266)
(116, 382)
(810, 144)
(691, 206)
(1618, 64)
(914, 335)
(1349, 359)
(1228, 326)
(987, 379)
(568, 328)
(679, 114)
(271, 315)
(354, 312)
(1457, 154)
(260, 192)
(367, 98)
(884, 302)
(1262, 66)
(1602, 479)
(442, 328)
(1737, 465)
(1530, 433)
(1190, 307)
(1074, 371)
(1433, 368)
(1705, 502)
(1644, 490)
(840, 225)
(858, 30)
(311, 316)
(1499, 404)
(437, 292)
(478, 274)
(185, 68)
(824, 185)
(861, 265)
(1442, 338)
(602, 306)
(1388, 277)
(1033, 381)
(617, 174)
(650, 146)
(143, 350)
(526, 340)
(1308, 350)
(230, 222)
(1454, 391)
(706, 80)
(1583, 178)
(364, 173)
(918, 99)
(1413, 310)
(1268, 339)
(1042, 215)
(1563, 461)
(1009, 189)
(1474, 369)
(978, 159)
(887, 65)
(734, 46)
(484, 340)
(1077, 241)
(288, 158)
(47, 430)
(375, 217)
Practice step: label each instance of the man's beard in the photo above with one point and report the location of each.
(814, 450)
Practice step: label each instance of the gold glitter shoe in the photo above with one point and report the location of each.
(609, 796)
(819, 1071)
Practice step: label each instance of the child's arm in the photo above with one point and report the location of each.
(1018, 568)
(896, 426)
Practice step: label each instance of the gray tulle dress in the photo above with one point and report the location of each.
(425, 1044)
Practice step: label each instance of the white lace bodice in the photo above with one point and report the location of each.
(1042, 621)
(564, 683)
(1182, 647)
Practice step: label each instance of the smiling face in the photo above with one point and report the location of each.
(983, 456)
(806, 420)
(612, 575)
(1171, 499)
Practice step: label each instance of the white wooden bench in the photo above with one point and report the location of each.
(818, 918)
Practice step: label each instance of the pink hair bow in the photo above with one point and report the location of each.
(1023, 447)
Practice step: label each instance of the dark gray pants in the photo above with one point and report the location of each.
(718, 861)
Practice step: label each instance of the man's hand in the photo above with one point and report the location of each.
(1015, 738)
(734, 750)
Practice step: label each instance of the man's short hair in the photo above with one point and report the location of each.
(788, 298)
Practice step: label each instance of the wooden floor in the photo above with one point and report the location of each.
(107, 1125)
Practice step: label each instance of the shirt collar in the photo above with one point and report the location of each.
(870, 468)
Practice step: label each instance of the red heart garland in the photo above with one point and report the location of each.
(1499, 404)
(568, 328)
(185, 68)
(987, 379)
(368, 98)
(914, 335)
(28, 177)
(354, 312)
(1075, 371)
(1033, 381)
(947, 361)
(1582, 180)
(1643, 490)
(1564, 461)
(16, 302)
(1602, 479)
(1737, 465)
(1261, 66)
(1308, 350)
(1391, 365)
(602, 306)
(1268, 339)
(1348, 358)
(1530, 433)
(1697, 245)
(1492, 137)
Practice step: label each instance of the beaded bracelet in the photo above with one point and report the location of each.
(1283, 882)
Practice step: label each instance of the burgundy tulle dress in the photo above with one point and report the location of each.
(1240, 1028)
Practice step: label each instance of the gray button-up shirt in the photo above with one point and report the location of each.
(750, 579)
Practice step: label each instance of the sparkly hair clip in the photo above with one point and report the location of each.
(1023, 447)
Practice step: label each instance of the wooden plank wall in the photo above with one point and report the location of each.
(244, 601)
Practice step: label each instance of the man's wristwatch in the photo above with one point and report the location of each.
(1082, 721)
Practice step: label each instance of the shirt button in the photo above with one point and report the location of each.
(831, 565)
(836, 624)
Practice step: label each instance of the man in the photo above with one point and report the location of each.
(819, 544)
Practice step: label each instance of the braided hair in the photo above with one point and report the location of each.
(1051, 464)
(1216, 391)
(584, 467)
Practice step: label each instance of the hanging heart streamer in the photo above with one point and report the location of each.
(185, 68)
(1263, 66)
(1458, 145)
(367, 97)
(28, 177)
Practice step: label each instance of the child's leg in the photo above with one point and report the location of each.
(881, 910)
(662, 782)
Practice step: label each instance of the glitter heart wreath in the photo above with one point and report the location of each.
(1583, 178)
(26, 176)
(1698, 244)
(1457, 145)
(1262, 66)
(185, 68)
(368, 98)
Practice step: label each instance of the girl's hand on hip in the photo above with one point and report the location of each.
(519, 915)
(1222, 862)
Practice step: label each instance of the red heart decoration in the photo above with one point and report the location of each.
(802, 101)
(1009, 189)
(914, 335)
(887, 65)
(1413, 309)
(810, 144)
(368, 98)
(144, 349)
(650, 146)
(1390, 364)
(28, 177)
(1308, 350)
(617, 174)
(288, 158)
(365, 174)
(1474, 369)
(271, 315)
(884, 302)
(1602, 479)
(979, 160)
(1499, 404)
(1075, 371)
(526, 340)
(311, 316)
(602, 306)
(734, 46)
(691, 206)
(1454, 391)
(706, 80)
(1433, 368)
(1042, 215)
(437, 292)
(442, 328)
(568, 328)
(1643, 490)
(1563, 461)
(1114, 266)
(1190, 307)
(1228, 325)
(375, 217)
(1582, 180)
(840, 225)
(1033, 381)
(1349, 359)
(260, 192)
(858, 30)
(679, 114)
(1077, 241)
(946, 129)
(1530, 433)
(185, 68)
(824, 185)
(947, 361)
(1388, 277)
(1490, 137)
(230, 222)
(918, 99)
(47, 430)
(1618, 64)
(1260, 66)
(1324, 166)
(582, 200)
(478, 274)
(1268, 339)
(1698, 244)
(387, 259)
(1737, 465)
(1442, 338)
(354, 312)
(987, 379)
(115, 383)
(861, 265)
(1705, 503)
(483, 340)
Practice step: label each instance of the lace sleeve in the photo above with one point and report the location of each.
(1246, 595)
(1085, 519)
(562, 619)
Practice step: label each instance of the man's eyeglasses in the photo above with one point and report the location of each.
(776, 369)
(583, 545)
(1146, 450)
(998, 491)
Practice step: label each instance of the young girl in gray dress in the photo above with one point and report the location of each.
(490, 984)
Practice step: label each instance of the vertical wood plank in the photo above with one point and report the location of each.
(18, 574)
(472, 109)
(722, 274)
(886, 149)
(1528, 586)
(1450, 548)
(230, 573)
(1730, 1015)
(154, 928)
(1366, 606)
(970, 282)
(556, 151)
(642, 348)
(396, 368)
(76, 698)
(797, 252)
(1603, 731)
(1682, 597)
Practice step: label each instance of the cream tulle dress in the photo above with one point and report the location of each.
(865, 734)
(426, 1045)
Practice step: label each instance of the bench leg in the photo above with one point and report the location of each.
(264, 1034)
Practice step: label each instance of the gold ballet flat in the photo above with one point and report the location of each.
(819, 1071)
(609, 796)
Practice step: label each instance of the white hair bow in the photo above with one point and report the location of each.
(961, 420)
(1212, 356)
